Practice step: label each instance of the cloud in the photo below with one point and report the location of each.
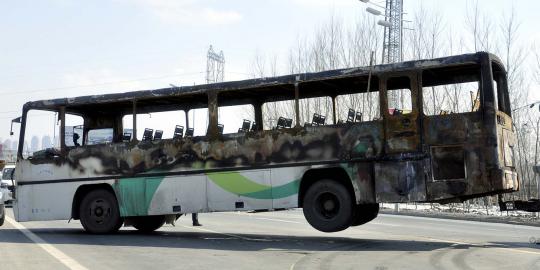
(186, 12)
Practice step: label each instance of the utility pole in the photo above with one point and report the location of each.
(393, 41)
(392, 51)
(215, 66)
(393, 34)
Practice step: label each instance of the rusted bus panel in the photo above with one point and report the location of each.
(461, 132)
(401, 180)
(402, 134)
(363, 180)
(465, 132)
(507, 178)
(278, 147)
(401, 131)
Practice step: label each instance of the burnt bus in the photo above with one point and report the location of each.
(437, 130)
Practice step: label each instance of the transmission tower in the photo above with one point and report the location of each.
(215, 66)
(393, 34)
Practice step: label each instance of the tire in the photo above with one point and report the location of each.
(99, 212)
(148, 224)
(328, 206)
(365, 213)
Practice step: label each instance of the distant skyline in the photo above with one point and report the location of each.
(65, 48)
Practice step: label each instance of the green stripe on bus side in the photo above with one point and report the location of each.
(238, 184)
(276, 192)
(131, 190)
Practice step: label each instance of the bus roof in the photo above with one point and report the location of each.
(261, 89)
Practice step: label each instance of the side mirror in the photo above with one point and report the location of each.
(16, 120)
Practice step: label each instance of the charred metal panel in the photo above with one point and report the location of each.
(401, 130)
(266, 148)
(459, 131)
(363, 179)
(401, 181)
(448, 163)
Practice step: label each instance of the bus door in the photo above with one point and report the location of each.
(400, 177)
(401, 114)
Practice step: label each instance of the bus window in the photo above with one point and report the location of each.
(501, 89)
(198, 120)
(99, 136)
(312, 109)
(41, 133)
(451, 98)
(399, 96)
(232, 117)
(441, 95)
(158, 122)
(364, 106)
(273, 111)
(74, 130)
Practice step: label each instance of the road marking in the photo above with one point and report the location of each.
(484, 245)
(280, 220)
(227, 234)
(294, 264)
(56, 253)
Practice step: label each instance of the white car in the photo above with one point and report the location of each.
(8, 182)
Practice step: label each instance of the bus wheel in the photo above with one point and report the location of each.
(148, 223)
(99, 212)
(328, 206)
(365, 213)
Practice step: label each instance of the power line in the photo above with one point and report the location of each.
(96, 84)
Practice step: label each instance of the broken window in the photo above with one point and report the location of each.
(198, 121)
(358, 107)
(450, 91)
(161, 125)
(278, 113)
(74, 130)
(316, 111)
(451, 98)
(99, 136)
(41, 133)
(399, 96)
(236, 119)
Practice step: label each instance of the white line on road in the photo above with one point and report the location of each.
(56, 253)
(280, 220)
(227, 234)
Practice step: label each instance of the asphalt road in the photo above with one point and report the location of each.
(273, 240)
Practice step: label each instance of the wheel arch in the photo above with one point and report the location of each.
(313, 175)
(83, 190)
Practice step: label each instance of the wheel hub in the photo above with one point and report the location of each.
(100, 211)
(328, 205)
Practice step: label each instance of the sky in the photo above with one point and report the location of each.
(63, 48)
